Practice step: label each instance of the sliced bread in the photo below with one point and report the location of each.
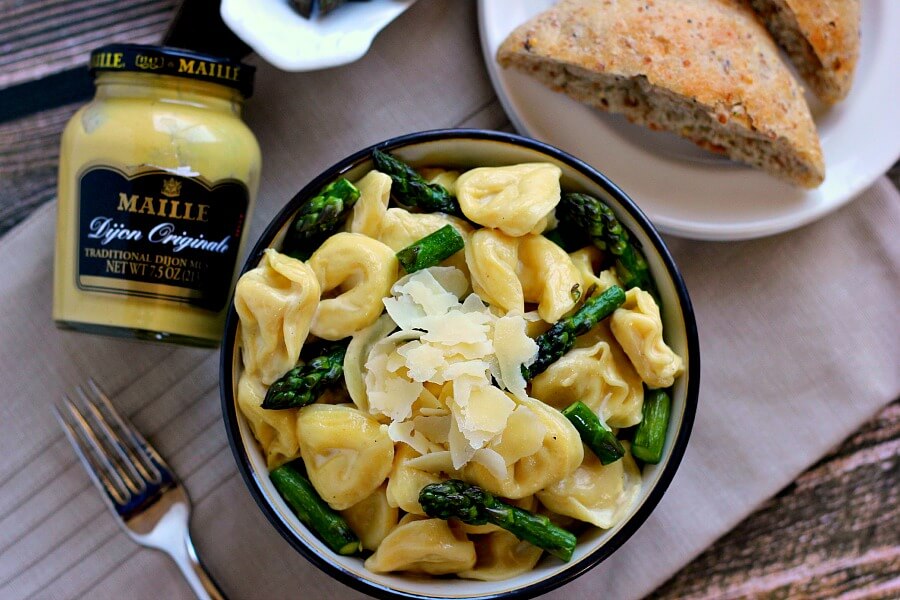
(821, 37)
(704, 69)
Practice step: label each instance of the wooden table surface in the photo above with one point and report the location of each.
(832, 533)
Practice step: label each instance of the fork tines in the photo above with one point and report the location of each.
(121, 463)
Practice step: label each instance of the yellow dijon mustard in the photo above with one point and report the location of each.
(158, 175)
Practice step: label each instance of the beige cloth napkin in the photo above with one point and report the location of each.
(799, 333)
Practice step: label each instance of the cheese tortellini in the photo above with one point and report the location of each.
(406, 481)
(596, 493)
(432, 386)
(276, 302)
(517, 199)
(363, 270)
(442, 177)
(358, 353)
(347, 454)
(423, 546)
(369, 210)
(507, 272)
(637, 326)
(584, 260)
(501, 555)
(600, 376)
(372, 518)
(397, 228)
(400, 228)
(548, 277)
(539, 447)
(275, 430)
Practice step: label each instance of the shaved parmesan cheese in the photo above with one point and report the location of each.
(513, 348)
(483, 349)
(528, 432)
(429, 294)
(433, 462)
(481, 412)
(435, 377)
(474, 304)
(422, 360)
(434, 412)
(474, 368)
(403, 311)
(492, 461)
(435, 428)
(403, 431)
(451, 279)
(460, 450)
(357, 354)
(455, 328)
(394, 397)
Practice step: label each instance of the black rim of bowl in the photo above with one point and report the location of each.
(691, 398)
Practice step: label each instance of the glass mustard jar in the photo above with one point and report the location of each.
(157, 178)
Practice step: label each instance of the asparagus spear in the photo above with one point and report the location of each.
(650, 436)
(595, 436)
(410, 189)
(560, 338)
(556, 237)
(471, 504)
(319, 216)
(313, 512)
(303, 384)
(600, 223)
(431, 249)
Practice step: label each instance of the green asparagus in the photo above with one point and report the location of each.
(431, 249)
(410, 189)
(303, 384)
(314, 512)
(650, 436)
(320, 216)
(555, 236)
(471, 504)
(568, 237)
(595, 436)
(560, 338)
(600, 223)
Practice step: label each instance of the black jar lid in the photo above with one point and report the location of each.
(162, 60)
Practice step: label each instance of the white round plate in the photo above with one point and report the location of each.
(687, 192)
(283, 38)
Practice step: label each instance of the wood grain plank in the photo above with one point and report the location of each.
(29, 155)
(42, 37)
(832, 533)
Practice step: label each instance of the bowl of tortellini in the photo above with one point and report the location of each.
(459, 363)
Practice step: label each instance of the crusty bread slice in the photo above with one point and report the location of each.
(705, 69)
(821, 37)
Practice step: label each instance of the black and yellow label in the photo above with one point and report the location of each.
(160, 60)
(159, 235)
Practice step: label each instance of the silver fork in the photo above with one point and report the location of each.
(136, 483)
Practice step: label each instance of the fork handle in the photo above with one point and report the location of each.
(196, 575)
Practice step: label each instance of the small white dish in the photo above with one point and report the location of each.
(690, 193)
(283, 38)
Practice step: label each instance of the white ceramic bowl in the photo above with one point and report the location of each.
(461, 148)
(283, 38)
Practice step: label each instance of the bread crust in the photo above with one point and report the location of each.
(830, 29)
(711, 57)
